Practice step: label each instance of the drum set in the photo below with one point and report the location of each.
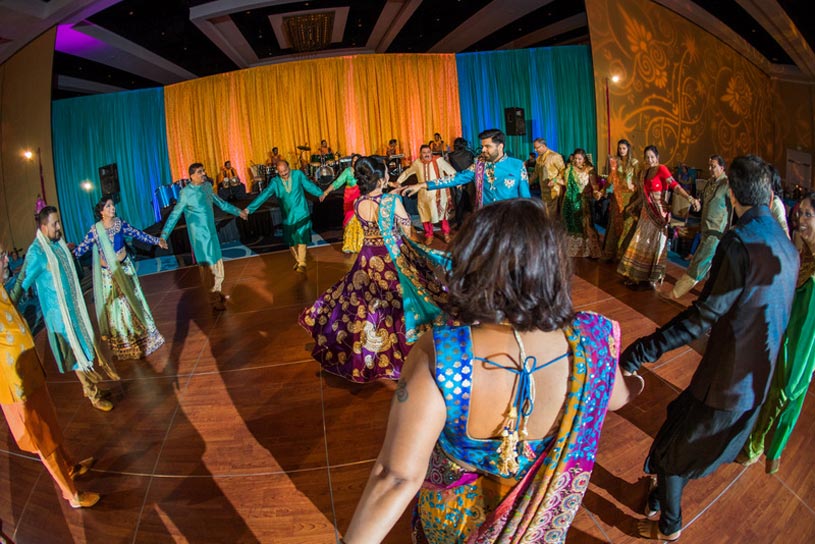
(324, 168)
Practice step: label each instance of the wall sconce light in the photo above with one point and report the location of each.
(28, 154)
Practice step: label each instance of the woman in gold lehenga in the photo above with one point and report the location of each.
(623, 172)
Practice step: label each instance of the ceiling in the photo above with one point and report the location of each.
(112, 45)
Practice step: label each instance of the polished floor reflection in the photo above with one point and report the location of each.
(230, 433)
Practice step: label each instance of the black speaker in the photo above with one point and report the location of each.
(515, 123)
(109, 179)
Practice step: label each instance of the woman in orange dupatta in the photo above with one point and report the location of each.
(465, 432)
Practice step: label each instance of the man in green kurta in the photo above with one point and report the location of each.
(196, 203)
(290, 188)
(716, 211)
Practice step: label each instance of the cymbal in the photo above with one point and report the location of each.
(303, 148)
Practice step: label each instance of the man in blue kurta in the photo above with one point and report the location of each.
(496, 176)
(49, 266)
(290, 188)
(195, 202)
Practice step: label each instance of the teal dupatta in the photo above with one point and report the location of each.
(421, 307)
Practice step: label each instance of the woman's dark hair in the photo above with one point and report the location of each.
(459, 144)
(651, 148)
(97, 210)
(509, 265)
(581, 151)
(775, 181)
(625, 143)
(749, 179)
(368, 171)
(355, 157)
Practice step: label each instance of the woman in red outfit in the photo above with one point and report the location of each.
(644, 258)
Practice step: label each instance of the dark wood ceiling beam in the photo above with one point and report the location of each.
(549, 31)
(770, 15)
(392, 19)
(492, 17)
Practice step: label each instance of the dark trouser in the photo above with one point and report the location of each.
(667, 498)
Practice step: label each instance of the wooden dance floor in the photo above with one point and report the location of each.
(230, 433)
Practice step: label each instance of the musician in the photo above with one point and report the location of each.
(325, 150)
(437, 145)
(433, 206)
(392, 148)
(229, 184)
(274, 157)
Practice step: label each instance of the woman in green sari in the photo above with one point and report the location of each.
(796, 359)
(125, 321)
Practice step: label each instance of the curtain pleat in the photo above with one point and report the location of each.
(355, 103)
(125, 128)
(553, 85)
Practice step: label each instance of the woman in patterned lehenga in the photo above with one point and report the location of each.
(351, 229)
(644, 259)
(125, 321)
(503, 465)
(364, 325)
(581, 186)
(623, 172)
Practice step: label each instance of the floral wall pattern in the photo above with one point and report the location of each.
(682, 89)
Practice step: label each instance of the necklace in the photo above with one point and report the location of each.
(287, 184)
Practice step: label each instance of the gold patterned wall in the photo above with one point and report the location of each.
(685, 91)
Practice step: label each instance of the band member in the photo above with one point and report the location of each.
(325, 150)
(290, 188)
(433, 206)
(274, 157)
(437, 145)
(229, 184)
(393, 148)
(196, 202)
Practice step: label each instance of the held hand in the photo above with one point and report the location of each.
(71, 246)
(162, 243)
(323, 196)
(244, 214)
(411, 190)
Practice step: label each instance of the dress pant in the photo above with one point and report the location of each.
(215, 279)
(667, 498)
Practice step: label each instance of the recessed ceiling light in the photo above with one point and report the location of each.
(131, 12)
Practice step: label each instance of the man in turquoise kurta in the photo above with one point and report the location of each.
(716, 211)
(496, 176)
(49, 266)
(195, 202)
(290, 188)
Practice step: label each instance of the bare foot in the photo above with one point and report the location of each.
(650, 529)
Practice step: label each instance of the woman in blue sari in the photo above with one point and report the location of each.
(491, 462)
(364, 325)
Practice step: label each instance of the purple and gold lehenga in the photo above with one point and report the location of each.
(364, 325)
(468, 496)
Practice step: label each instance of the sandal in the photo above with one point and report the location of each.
(649, 529)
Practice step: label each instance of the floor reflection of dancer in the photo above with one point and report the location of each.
(50, 266)
(195, 203)
(28, 407)
(352, 231)
(363, 325)
(124, 318)
(290, 188)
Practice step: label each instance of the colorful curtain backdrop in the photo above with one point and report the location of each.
(554, 86)
(355, 103)
(125, 128)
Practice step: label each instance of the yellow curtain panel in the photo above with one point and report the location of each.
(355, 103)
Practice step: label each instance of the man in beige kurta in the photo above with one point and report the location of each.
(549, 168)
(434, 206)
(28, 407)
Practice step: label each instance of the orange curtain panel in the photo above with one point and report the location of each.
(355, 103)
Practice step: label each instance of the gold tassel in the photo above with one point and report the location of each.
(508, 450)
